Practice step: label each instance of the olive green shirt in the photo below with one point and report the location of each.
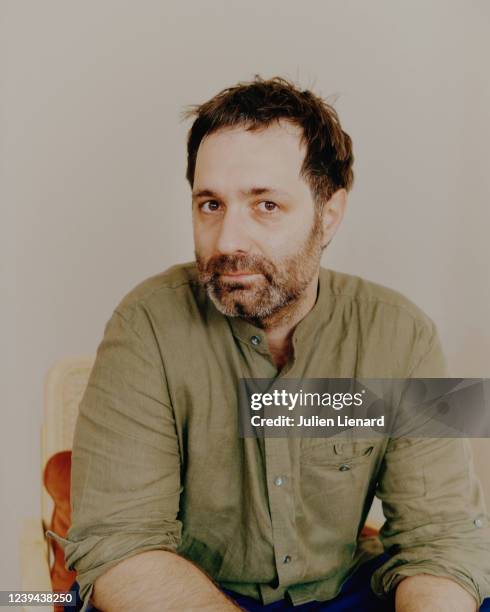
(158, 462)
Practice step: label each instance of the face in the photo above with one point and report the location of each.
(257, 233)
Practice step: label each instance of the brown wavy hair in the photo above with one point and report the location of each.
(256, 104)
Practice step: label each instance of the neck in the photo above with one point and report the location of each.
(280, 327)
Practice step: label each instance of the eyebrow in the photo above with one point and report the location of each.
(253, 191)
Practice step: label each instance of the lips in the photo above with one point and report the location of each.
(238, 273)
(239, 276)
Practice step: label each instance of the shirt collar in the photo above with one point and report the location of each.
(256, 337)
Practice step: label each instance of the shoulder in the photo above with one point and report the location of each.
(169, 281)
(385, 324)
(174, 290)
(372, 299)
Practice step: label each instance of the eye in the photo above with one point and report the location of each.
(210, 206)
(267, 206)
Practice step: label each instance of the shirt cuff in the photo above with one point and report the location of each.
(92, 556)
(386, 578)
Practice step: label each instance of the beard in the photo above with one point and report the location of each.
(274, 293)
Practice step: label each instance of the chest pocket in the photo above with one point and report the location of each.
(340, 455)
(335, 477)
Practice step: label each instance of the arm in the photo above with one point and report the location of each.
(126, 468)
(436, 528)
(425, 593)
(158, 581)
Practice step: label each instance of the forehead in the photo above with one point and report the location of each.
(237, 157)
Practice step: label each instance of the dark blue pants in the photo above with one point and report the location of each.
(355, 595)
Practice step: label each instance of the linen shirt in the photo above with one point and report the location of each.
(158, 462)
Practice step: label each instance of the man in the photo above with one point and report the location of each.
(172, 509)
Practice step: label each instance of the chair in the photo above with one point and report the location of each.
(64, 387)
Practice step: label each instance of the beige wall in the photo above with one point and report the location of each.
(93, 197)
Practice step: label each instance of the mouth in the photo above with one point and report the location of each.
(241, 277)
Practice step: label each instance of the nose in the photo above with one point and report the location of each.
(233, 237)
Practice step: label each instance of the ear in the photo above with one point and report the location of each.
(332, 215)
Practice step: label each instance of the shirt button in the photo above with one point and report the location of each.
(478, 523)
(344, 467)
(255, 340)
(287, 559)
(279, 481)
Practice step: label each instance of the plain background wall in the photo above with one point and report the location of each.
(93, 197)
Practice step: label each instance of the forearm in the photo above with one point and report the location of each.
(424, 593)
(161, 581)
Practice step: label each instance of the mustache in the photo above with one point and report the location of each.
(234, 264)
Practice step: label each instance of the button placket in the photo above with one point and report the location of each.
(282, 509)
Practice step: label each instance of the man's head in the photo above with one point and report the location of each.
(269, 167)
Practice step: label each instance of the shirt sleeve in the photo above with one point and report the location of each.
(126, 463)
(436, 518)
